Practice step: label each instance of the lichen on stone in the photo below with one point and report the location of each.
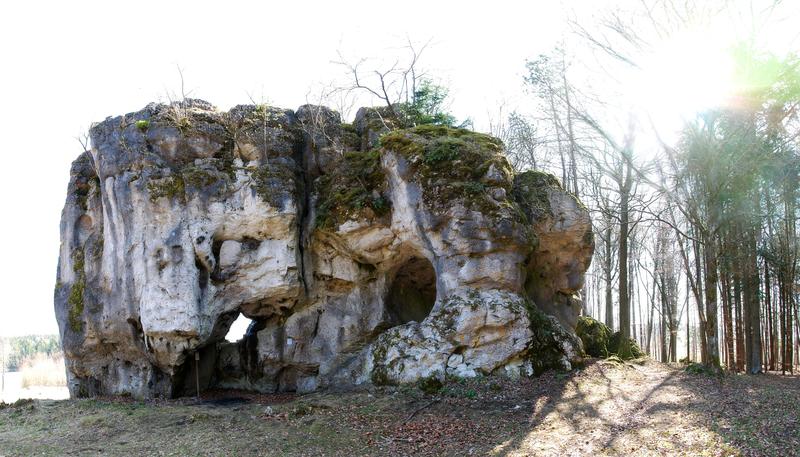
(170, 187)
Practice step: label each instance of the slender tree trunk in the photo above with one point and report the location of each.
(752, 305)
(737, 298)
(624, 303)
(701, 313)
(770, 328)
(688, 325)
(712, 337)
(607, 273)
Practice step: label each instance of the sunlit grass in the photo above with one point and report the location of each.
(42, 371)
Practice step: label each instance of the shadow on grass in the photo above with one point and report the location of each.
(668, 409)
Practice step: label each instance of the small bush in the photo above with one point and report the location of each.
(142, 124)
(430, 385)
(700, 369)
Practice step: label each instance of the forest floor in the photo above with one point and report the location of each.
(607, 408)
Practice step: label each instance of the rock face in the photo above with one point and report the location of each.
(362, 254)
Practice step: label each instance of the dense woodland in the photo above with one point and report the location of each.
(696, 238)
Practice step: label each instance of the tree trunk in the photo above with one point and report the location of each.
(608, 269)
(710, 257)
(624, 303)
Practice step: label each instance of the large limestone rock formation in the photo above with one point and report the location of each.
(362, 254)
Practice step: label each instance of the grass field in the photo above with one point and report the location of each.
(605, 409)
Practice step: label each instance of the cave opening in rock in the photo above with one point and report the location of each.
(238, 329)
(412, 293)
(228, 360)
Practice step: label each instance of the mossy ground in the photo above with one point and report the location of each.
(641, 410)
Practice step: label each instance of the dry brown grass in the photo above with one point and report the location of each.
(43, 371)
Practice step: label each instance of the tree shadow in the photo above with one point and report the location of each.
(674, 412)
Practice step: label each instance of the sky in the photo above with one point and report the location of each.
(68, 64)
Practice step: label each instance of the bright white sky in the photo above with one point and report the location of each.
(67, 64)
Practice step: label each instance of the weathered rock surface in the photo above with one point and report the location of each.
(362, 255)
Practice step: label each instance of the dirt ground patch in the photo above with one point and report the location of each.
(604, 409)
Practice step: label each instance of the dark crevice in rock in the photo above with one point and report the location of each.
(217, 276)
(198, 368)
(202, 274)
(304, 202)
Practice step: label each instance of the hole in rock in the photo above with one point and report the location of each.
(239, 328)
(229, 360)
(413, 292)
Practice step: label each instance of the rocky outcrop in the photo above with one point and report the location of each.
(362, 254)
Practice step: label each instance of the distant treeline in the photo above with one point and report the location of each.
(15, 350)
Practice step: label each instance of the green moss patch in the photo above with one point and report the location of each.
(531, 193)
(349, 138)
(194, 176)
(624, 349)
(450, 164)
(75, 299)
(170, 187)
(198, 177)
(355, 189)
(273, 182)
(594, 335)
(546, 350)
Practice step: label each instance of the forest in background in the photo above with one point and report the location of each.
(16, 350)
(696, 237)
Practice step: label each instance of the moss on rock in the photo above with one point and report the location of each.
(548, 342)
(625, 350)
(75, 299)
(450, 164)
(170, 187)
(273, 182)
(356, 188)
(594, 335)
(530, 191)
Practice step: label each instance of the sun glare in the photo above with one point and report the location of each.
(687, 74)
